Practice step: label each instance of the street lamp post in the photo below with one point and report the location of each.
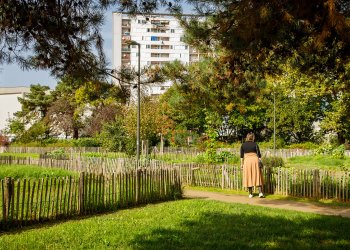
(138, 105)
(138, 123)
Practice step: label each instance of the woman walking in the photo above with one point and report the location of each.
(250, 157)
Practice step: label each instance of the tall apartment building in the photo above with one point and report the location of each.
(161, 40)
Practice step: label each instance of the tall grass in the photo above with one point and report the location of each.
(319, 161)
(25, 171)
(31, 155)
(189, 224)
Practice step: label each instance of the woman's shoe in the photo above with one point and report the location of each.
(261, 195)
(250, 196)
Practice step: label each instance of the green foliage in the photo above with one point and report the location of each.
(86, 142)
(303, 145)
(58, 154)
(226, 157)
(336, 116)
(273, 161)
(336, 152)
(37, 132)
(113, 137)
(20, 171)
(280, 143)
(217, 158)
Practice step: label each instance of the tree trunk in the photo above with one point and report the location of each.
(75, 133)
(341, 138)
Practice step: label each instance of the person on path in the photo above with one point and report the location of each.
(252, 173)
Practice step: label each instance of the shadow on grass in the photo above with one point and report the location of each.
(219, 230)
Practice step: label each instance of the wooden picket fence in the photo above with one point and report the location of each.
(28, 201)
(79, 164)
(42, 150)
(308, 183)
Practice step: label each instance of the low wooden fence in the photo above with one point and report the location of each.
(97, 165)
(26, 201)
(309, 183)
(42, 150)
(192, 152)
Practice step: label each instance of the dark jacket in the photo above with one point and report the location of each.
(250, 147)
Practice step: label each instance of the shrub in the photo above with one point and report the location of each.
(303, 145)
(280, 143)
(226, 156)
(339, 152)
(273, 161)
(86, 142)
(4, 141)
(328, 149)
(58, 154)
(221, 157)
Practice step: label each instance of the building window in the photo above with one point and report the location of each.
(186, 46)
(154, 38)
(148, 30)
(148, 46)
(172, 31)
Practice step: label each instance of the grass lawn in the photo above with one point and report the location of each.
(26, 171)
(318, 161)
(31, 155)
(188, 224)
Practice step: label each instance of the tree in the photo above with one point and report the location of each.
(207, 85)
(62, 117)
(81, 107)
(62, 36)
(58, 35)
(35, 105)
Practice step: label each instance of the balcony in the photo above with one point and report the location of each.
(126, 49)
(126, 57)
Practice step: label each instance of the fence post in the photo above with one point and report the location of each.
(192, 175)
(268, 180)
(316, 184)
(222, 177)
(137, 191)
(81, 193)
(8, 197)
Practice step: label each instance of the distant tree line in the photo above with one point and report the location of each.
(285, 57)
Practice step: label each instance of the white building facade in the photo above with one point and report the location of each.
(9, 103)
(161, 40)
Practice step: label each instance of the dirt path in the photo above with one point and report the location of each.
(282, 204)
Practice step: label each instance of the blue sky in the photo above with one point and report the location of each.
(12, 76)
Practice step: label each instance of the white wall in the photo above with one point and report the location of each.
(8, 106)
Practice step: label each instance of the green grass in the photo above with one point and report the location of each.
(200, 158)
(318, 161)
(176, 158)
(31, 155)
(189, 224)
(108, 154)
(25, 171)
